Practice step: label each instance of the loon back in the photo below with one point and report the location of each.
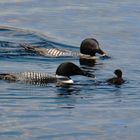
(54, 52)
(30, 77)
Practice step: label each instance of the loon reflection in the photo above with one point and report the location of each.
(62, 75)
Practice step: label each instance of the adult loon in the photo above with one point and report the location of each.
(62, 76)
(88, 48)
(118, 80)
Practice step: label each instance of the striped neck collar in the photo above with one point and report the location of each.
(64, 79)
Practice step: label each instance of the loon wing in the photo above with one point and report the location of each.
(54, 52)
(28, 77)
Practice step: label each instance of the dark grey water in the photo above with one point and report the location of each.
(87, 110)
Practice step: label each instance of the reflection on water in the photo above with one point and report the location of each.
(89, 109)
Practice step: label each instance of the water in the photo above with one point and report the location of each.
(86, 110)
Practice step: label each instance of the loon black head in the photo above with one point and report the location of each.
(90, 46)
(69, 69)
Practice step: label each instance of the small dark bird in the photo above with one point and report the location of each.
(118, 80)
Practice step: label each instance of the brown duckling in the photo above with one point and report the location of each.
(118, 80)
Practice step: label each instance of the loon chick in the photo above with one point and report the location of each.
(63, 73)
(118, 80)
(89, 47)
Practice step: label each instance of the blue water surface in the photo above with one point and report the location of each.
(90, 109)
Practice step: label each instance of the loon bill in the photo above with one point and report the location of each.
(62, 75)
(88, 49)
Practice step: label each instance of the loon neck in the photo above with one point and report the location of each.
(119, 77)
(64, 79)
(86, 56)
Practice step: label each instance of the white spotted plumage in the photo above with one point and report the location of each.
(31, 75)
(34, 77)
(50, 51)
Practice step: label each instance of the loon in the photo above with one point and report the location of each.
(88, 48)
(62, 76)
(118, 80)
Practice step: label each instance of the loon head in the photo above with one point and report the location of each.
(67, 69)
(90, 46)
(118, 73)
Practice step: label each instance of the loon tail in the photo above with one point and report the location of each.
(2, 76)
(7, 76)
(27, 47)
